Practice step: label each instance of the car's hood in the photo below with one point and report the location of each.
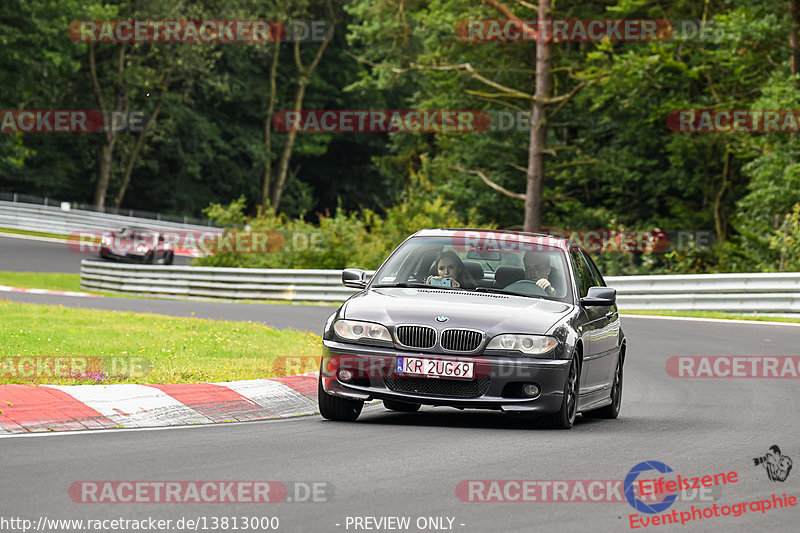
(492, 313)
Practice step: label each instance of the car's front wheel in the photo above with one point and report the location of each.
(401, 407)
(334, 408)
(166, 259)
(565, 417)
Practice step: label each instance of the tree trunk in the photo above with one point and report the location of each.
(104, 173)
(538, 138)
(137, 147)
(273, 70)
(305, 77)
(719, 223)
(792, 52)
(283, 165)
(110, 136)
(793, 37)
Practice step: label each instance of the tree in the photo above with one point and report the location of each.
(133, 71)
(435, 58)
(272, 191)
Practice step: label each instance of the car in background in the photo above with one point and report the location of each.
(502, 343)
(137, 245)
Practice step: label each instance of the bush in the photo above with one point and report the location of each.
(340, 241)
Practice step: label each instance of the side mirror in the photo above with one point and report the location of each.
(600, 296)
(354, 278)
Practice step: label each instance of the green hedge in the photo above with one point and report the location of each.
(355, 240)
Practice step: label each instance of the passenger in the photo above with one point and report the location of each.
(449, 265)
(537, 268)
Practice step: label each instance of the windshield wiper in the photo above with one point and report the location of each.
(495, 290)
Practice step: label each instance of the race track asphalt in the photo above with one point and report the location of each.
(29, 255)
(409, 465)
(302, 317)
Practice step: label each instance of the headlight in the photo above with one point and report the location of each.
(106, 240)
(355, 330)
(527, 344)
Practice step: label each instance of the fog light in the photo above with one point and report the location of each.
(346, 375)
(529, 389)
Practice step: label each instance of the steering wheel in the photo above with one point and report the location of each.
(526, 286)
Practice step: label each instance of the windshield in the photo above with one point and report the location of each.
(143, 237)
(454, 262)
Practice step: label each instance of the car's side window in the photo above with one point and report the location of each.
(597, 278)
(583, 275)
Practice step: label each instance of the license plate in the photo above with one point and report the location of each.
(439, 368)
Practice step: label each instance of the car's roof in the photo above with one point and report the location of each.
(495, 234)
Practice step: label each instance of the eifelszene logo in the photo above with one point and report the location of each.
(658, 494)
(777, 466)
(629, 486)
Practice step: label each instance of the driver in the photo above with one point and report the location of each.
(537, 269)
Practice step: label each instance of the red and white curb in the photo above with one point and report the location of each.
(5, 288)
(26, 408)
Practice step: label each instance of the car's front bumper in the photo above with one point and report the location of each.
(132, 257)
(496, 385)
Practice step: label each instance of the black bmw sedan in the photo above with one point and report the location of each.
(483, 319)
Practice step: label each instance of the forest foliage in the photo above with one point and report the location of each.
(610, 162)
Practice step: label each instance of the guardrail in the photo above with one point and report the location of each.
(777, 292)
(51, 219)
(30, 199)
(739, 293)
(215, 283)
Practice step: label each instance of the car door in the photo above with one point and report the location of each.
(606, 334)
(592, 321)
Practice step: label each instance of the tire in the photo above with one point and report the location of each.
(334, 408)
(565, 417)
(611, 411)
(166, 259)
(401, 407)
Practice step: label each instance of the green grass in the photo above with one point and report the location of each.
(125, 347)
(53, 282)
(709, 314)
(72, 282)
(39, 280)
(34, 233)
